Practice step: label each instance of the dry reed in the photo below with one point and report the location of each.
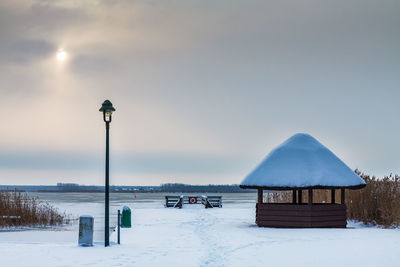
(378, 203)
(18, 209)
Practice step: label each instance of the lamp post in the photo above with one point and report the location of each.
(107, 109)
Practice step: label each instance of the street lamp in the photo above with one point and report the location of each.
(107, 109)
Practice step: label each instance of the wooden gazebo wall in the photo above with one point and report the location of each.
(299, 215)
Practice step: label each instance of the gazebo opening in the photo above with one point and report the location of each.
(302, 165)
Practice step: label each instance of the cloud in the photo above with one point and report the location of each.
(225, 80)
(183, 163)
(26, 51)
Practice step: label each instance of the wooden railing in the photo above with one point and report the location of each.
(289, 215)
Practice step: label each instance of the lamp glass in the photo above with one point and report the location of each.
(107, 115)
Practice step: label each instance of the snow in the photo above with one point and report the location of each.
(302, 161)
(194, 236)
(85, 216)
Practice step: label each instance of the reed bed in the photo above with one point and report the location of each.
(378, 203)
(18, 209)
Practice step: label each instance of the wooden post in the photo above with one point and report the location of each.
(294, 196)
(119, 227)
(310, 197)
(342, 196)
(260, 196)
(333, 196)
(300, 196)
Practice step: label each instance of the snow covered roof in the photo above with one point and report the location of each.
(302, 162)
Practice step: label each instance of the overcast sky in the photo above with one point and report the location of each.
(203, 89)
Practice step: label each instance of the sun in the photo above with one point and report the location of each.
(61, 55)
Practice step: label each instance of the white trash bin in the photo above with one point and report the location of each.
(86, 230)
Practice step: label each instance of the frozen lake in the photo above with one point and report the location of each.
(76, 204)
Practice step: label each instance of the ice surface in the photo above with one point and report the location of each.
(301, 161)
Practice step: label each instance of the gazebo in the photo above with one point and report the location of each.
(302, 163)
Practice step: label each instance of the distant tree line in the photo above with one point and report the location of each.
(177, 187)
(168, 187)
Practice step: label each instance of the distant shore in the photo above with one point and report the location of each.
(164, 188)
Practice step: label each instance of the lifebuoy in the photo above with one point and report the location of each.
(192, 200)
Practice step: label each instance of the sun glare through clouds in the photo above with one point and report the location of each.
(61, 55)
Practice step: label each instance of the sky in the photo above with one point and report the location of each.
(203, 90)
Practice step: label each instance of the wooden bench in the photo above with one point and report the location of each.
(173, 201)
(211, 201)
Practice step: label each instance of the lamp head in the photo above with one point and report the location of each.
(107, 109)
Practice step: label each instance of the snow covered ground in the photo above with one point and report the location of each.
(194, 236)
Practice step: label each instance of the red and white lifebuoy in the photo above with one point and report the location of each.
(192, 200)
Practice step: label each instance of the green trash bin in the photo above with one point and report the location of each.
(126, 217)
